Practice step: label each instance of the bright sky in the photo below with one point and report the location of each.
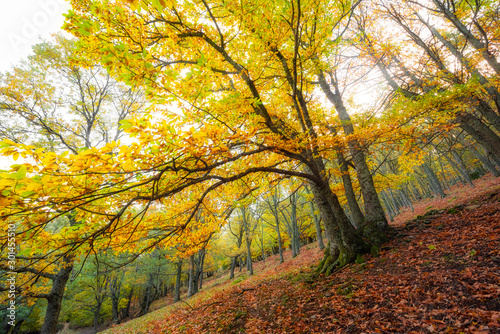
(22, 22)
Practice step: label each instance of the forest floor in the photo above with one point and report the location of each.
(440, 274)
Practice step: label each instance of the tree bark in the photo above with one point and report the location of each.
(357, 216)
(54, 300)
(344, 242)
(375, 223)
(178, 274)
(433, 181)
(248, 241)
(317, 225)
(233, 266)
(484, 160)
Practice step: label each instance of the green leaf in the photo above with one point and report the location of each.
(28, 193)
(21, 173)
(125, 124)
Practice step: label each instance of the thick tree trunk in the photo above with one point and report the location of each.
(54, 300)
(344, 242)
(375, 224)
(481, 133)
(192, 279)
(201, 262)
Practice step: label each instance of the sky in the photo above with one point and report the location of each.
(22, 22)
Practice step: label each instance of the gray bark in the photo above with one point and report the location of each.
(374, 213)
(484, 160)
(248, 241)
(468, 34)
(433, 181)
(357, 216)
(344, 242)
(55, 297)
(178, 276)
(317, 225)
(462, 168)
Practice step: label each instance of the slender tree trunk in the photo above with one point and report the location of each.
(446, 183)
(388, 206)
(433, 180)
(274, 210)
(248, 242)
(462, 168)
(405, 192)
(126, 310)
(357, 216)
(294, 229)
(484, 160)
(233, 265)
(178, 276)
(317, 224)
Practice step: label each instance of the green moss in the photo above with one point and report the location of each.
(360, 259)
(239, 279)
(346, 289)
(374, 250)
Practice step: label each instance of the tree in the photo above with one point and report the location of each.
(55, 105)
(222, 77)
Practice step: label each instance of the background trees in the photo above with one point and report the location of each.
(240, 95)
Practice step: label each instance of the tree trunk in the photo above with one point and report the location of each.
(54, 300)
(317, 224)
(248, 242)
(193, 279)
(344, 243)
(294, 230)
(274, 210)
(201, 262)
(375, 224)
(115, 293)
(484, 160)
(462, 168)
(126, 310)
(388, 206)
(433, 180)
(357, 216)
(178, 274)
(233, 265)
(481, 133)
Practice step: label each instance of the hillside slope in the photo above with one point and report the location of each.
(441, 273)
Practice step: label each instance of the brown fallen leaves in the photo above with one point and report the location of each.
(440, 274)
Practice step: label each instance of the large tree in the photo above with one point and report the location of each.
(56, 106)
